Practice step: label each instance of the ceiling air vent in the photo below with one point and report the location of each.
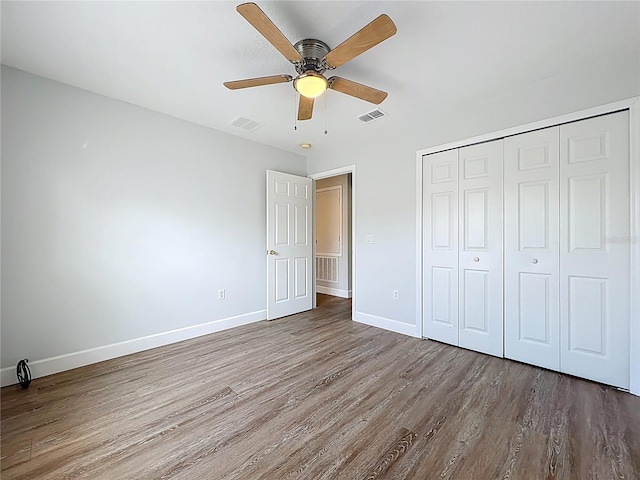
(372, 115)
(245, 124)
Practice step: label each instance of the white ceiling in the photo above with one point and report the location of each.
(172, 57)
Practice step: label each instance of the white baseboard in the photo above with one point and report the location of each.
(336, 292)
(48, 366)
(387, 324)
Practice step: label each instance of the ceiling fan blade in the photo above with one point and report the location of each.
(305, 108)
(256, 17)
(257, 82)
(367, 37)
(357, 90)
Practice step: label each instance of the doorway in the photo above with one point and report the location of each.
(334, 234)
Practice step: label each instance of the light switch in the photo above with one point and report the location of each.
(368, 239)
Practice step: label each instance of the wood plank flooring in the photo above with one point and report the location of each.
(316, 396)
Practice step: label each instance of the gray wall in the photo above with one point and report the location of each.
(119, 222)
(385, 183)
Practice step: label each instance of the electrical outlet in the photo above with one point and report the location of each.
(368, 239)
(395, 295)
(221, 294)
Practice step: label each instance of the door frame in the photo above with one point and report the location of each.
(328, 174)
(630, 104)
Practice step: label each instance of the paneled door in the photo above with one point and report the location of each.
(595, 249)
(532, 330)
(289, 247)
(480, 247)
(440, 224)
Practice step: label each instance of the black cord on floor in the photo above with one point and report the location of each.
(24, 374)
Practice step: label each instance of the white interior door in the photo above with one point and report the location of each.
(440, 234)
(532, 330)
(595, 249)
(480, 247)
(289, 244)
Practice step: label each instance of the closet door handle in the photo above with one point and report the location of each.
(476, 259)
(534, 260)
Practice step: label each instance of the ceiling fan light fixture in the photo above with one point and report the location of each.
(310, 84)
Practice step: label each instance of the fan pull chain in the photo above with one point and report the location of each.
(295, 112)
(326, 113)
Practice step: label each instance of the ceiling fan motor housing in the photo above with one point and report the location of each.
(313, 52)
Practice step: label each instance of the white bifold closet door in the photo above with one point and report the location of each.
(594, 249)
(480, 286)
(463, 247)
(440, 247)
(565, 221)
(531, 260)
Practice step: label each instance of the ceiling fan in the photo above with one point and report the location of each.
(312, 58)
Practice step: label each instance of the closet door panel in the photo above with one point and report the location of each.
(480, 246)
(440, 234)
(531, 196)
(475, 301)
(594, 243)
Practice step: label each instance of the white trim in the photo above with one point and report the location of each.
(387, 324)
(336, 292)
(634, 174)
(314, 270)
(549, 122)
(419, 240)
(61, 363)
(334, 173)
(631, 104)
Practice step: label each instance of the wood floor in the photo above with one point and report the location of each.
(317, 396)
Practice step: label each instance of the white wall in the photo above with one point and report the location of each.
(343, 286)
(385, 208)
(120, 223)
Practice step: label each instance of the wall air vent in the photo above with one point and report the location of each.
(372, 115)
(245, 124)
(327, 269)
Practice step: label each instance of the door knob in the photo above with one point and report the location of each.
(272, 252)
(534, 260)
(476, 259)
